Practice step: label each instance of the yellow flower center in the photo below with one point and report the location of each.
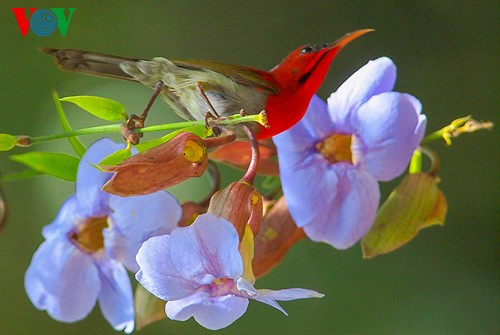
(336, 148)
(89, 238)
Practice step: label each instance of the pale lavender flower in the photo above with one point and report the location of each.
(89, 244)
(198, 270)
(331, 161)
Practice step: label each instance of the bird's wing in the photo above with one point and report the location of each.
(242, 75)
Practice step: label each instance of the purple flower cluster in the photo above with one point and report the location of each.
(330, 166)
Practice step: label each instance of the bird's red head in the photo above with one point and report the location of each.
(298, 77)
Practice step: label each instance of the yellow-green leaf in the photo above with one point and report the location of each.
(52, 163)
(148, 308)
(414, 204)
(116, 157)
(200, 131)
(7, 142)
(103, 108)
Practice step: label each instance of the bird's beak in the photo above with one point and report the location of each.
(347, 38)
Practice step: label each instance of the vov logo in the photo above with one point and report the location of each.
(43, 22)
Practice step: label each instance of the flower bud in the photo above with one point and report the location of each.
(240, 204)
(239, 154)
(166, 165)
(277, 235)
(414, 204)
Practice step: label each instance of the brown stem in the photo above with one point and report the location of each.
(214, 142)
(251, 172)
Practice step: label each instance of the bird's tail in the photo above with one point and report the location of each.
(90, 62)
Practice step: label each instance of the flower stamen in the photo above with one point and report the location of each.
(336, 148)
(89, 237)
(222, 286)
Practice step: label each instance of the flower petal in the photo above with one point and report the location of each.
(343, 218)
(158, 274)
(62, 280)
(115, 297)
(69, 217)
(206, 250)
(422, 120)
(376, 77)
(386, 126)
(89, 179)
(210, 312)
(290, 294)
(269, 297)
(306, 181)
(133, 220)
(250, 291)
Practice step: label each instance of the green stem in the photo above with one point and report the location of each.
(433, 156)
(117, 128)
(84, 131)
(170, 126)
(438, 134)
(236, 119)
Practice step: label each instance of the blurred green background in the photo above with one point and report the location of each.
(444, 282)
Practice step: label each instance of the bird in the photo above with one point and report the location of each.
(193, 88)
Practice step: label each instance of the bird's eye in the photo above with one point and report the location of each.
(307, 49)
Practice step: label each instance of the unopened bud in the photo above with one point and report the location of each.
(240, 204)
(166, 165)
(239, 154)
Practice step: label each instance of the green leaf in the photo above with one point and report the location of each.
(414, 204)
(103, 108)
(200, 131)
(115, 158)
(75, 143)
(52, 163)
(7, 142)
(148, 308)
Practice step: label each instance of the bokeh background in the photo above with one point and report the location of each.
(446, 281)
